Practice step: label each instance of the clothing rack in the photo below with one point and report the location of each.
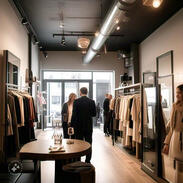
(130, 90)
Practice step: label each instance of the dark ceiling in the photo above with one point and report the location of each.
(87, 15)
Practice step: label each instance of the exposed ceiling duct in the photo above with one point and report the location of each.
(111, 21)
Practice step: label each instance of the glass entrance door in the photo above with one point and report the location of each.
(57, 93)
(54, 102)
(74, 87)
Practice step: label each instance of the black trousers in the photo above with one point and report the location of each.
(87, 136)
(107, 122)
(65, 130)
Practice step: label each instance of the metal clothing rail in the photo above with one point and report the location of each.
(129, 87)
(12, 85)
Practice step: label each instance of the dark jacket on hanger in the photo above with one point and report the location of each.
(83, 111)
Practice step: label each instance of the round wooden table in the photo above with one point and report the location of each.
(39, 151)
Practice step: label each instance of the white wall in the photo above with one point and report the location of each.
(67, 60)
(167, 37)
(13, 35)
(35, 61)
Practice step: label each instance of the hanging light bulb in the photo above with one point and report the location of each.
(156, 3)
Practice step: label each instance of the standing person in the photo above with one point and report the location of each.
(98, 112)
(106, 114)
(173, 144)
(83, 110)
(67, 114)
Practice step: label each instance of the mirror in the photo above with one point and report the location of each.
(166, 80)
(13, 68)
(149, 129)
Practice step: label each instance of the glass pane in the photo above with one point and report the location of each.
(83, 84)
(54, 101)
(67, 75)
(165, 64)
(70, 87)
(149, 149)
(102, 84)
(167, 95)
(103, 77)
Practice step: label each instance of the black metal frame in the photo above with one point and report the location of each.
(62, 81)
(168, 75)
(7, 85)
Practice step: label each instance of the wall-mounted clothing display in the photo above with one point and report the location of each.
(21, 115)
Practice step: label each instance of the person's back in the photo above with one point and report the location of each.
(83, 111)
(82, 116)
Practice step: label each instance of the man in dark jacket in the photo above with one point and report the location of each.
(106, 115)
(83, 111)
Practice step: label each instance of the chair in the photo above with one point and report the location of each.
(78, 172)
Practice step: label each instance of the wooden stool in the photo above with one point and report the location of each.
(79, 172)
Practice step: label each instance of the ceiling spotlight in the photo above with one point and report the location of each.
(98, 55)
(45, 54)
(24, 21)
(83, 52)
(63, 41)
(152, 3)
(61, 25)
(35, 40)
(117, 21)
(156, 3)
(118, 28)
(96, 34)
(40, 47)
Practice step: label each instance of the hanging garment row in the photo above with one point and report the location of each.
(127, 118)
(21, 116)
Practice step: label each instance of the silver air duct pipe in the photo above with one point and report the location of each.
(111, 21)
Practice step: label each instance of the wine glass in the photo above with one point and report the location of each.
(57, 136)
(70, 132)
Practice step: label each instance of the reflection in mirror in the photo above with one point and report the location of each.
(149, 151)
(166, 95)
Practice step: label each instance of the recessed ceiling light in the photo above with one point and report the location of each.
(118, 28)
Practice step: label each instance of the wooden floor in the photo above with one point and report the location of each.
(112, 165)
